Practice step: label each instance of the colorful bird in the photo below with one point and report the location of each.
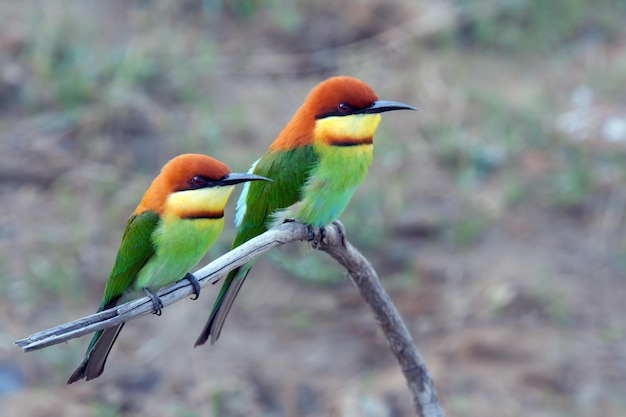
(315, 163)
(178, 219)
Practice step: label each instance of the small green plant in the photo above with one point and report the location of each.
(551, 299)
(105, 410)
(515, 191)
(53, 275)
(226, 402)
(216, 400)
(573, 183)
(468, 229)
(64, 66)
(613, 333)
(299, 320)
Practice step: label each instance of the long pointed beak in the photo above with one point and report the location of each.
(235, 178)
(382, 106)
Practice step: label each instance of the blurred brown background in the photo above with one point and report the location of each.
(494, 215)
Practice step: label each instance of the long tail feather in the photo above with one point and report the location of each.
(223, 304)
(92, 365)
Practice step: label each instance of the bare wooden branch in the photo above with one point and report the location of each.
(361, 272)
(210, 274)
(389, 320)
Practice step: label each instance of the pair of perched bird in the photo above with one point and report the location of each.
(308, 174)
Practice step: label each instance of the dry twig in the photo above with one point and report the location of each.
(361, 272)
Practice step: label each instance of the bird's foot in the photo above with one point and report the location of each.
(311, 233)
(341, 230)
(316, 238)
(194, 283)
(157, 305)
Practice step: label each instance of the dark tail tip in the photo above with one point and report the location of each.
(78, 374)
(204, 335)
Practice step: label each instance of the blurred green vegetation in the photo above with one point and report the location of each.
(105, 410)
(539, 26)
(74, 72)
(508, 70)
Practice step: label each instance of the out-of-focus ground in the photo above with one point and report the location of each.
(494, 215)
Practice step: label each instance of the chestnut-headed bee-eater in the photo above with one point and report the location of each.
(315, 164)
(178, 219)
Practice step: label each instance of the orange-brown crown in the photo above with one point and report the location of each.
(323, 99)
(177, 175)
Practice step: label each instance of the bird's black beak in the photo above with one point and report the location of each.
(382, 106)
(235, 178)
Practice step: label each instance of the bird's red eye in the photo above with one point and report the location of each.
(198, 181)
(344, 108)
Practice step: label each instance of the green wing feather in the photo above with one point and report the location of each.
(288, 171)
(135, 250)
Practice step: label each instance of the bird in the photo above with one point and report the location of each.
(316, 162)
(178, 218)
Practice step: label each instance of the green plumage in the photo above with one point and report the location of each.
(179, 217)
(311, 184)
(316, 162)
(289, 171)
(136, 248)
(153, 252)
(259, 201)
(330, 184)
